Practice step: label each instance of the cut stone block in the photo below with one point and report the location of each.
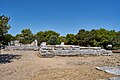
(114, 78)
(112, 70)
(70, 50)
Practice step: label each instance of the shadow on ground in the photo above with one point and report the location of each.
(7, 58)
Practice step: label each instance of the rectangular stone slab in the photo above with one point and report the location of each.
(112, 70)
(114, 78)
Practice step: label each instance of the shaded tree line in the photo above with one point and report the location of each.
(95, 37)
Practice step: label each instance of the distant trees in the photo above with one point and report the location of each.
(40, 36)
(71, 39)
(62, 39)
(50, 33)
(26, 36)
(95, 37)
(83, 37)
(49, 36)
(53, 40)
(100, 37)
(116, 41)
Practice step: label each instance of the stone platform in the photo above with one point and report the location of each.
(71, 50)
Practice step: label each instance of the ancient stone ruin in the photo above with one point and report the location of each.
(15, 45)
(70, 50)
(112, 70)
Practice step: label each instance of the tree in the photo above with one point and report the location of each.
(62, 39)
(83, 37)
(4, 27)
(104, 37)
(53, 40)
(40, 36)
(50, 33)
(45, 36)
(8, 38)
(100, 37)
(116, 42)
(26, 36)
(71, 39)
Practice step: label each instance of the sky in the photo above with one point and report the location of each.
(62, 16)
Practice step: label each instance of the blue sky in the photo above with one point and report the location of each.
(62, 16)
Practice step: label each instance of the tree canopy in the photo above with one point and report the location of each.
(4, 27)
(26, 36)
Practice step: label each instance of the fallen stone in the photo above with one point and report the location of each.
(114, 78)
(112, 70)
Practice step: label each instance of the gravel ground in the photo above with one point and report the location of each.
(28, 65)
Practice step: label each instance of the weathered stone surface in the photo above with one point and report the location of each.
(114, 78)
(69, 50)
(112, 70)
(22, 48)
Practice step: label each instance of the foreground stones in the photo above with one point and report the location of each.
(114, 78)
(112, 70)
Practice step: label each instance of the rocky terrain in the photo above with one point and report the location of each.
(29, 65)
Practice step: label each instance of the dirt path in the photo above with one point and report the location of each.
(26, 65)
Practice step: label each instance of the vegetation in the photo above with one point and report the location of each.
(26, 36)
(99, 37)
(4, 27)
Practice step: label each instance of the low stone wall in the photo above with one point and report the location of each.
(82, 52)
(72, 51)
(25, 48)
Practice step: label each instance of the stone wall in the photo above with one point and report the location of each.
(20, 48)
(69, 50)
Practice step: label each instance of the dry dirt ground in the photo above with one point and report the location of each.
(28, 65)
